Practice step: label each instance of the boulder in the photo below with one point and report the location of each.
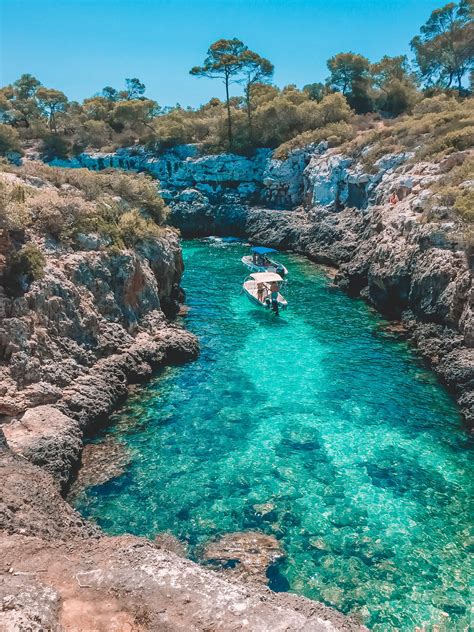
(46, 437)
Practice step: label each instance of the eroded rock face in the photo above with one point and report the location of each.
(31, 505)
(74, 339)
(188, 178)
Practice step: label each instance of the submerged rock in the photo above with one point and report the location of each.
(169, 542)
(100, 462)
(247, 555)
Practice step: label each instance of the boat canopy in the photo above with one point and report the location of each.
(265, 277)
(261, 250)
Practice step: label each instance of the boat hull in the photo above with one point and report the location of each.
(251, 293)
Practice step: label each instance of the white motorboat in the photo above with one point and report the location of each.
(263, 289)
(259, 261)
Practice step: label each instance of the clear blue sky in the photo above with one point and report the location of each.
(79, 46)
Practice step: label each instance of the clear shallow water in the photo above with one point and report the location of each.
(354, 446)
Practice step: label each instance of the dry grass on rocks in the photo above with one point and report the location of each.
(62, 203)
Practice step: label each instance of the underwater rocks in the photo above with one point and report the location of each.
(100, 462)
(246, 555)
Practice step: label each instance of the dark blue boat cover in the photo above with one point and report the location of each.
(261, 250)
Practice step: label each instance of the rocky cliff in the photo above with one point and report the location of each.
(73, 339)
(409, 259)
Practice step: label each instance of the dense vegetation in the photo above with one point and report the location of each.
(356, 96)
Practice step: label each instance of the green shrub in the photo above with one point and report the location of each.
(54, 146)
(14, 214)
(454, 191)
(25, 266)
(134, 227)
(121, 207)
(9, 140)
(464, 205)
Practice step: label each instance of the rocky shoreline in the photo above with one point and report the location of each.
(412, 261)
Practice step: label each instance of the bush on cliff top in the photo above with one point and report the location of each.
(121, 207)
(439, 126)
(9, 140)
(138, 190)
(335, 134)
(455, 190)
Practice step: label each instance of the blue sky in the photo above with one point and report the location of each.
(79, 46)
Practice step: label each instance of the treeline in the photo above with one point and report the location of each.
(356, 93)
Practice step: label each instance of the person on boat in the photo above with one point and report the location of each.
(274, 289)
(260, 290)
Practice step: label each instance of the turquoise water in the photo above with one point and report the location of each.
(353, 446)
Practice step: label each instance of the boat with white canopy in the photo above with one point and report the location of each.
(259, 261)
(263, 288)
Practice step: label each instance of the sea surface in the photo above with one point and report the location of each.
(316, 426)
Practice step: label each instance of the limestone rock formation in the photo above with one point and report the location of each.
(48, 438)
(72, 340)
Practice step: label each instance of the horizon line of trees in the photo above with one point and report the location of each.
(265, 115)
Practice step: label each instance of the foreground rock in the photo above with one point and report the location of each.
(126, 583)
(48, 438)
(58, 572)
(246, 555)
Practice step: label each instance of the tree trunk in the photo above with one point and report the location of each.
(229, 119)
(249, 111)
